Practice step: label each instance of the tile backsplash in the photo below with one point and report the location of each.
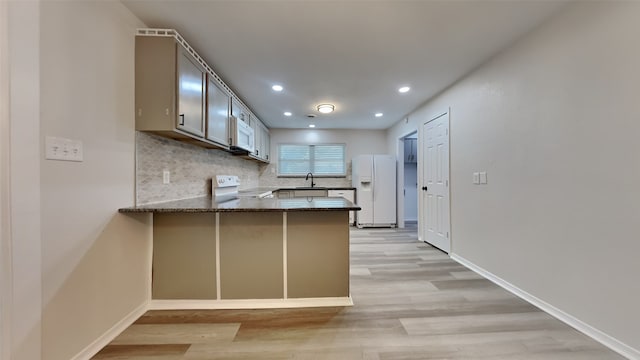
(191, 169)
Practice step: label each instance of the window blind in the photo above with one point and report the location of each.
(319, 159)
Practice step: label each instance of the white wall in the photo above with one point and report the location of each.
(95, 262)
(5, 189)
(357, 142)
(554, 122)
(24, 182)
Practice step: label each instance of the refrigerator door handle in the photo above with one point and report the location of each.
(373, 185)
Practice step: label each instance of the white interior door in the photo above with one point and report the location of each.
(435, 183)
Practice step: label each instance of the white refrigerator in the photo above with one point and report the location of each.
(374, 177)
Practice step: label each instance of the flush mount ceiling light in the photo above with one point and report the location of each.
(326, 108)
(287, 113)
(379, 114)
(277, 88)
(312, 125)
(404, 89)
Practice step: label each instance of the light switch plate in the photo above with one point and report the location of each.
(63, 149)
(476, 178)
(166, 177)
(483, 177)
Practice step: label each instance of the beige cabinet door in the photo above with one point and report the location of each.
(266, 144)
(217, 113)
(190, 94)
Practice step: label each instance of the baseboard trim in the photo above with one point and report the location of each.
(109, 335)
(248, 304)
(601, 337)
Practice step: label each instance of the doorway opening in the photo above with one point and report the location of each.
(408, 180)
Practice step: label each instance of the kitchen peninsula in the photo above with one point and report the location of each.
(249, 252)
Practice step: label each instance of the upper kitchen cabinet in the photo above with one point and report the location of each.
(179, 96)
(263, 140)
(239, 111)
(265, 137)
(218, 102)
(191, 92)
(170, 89)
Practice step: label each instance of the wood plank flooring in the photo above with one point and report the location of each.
(411, 302)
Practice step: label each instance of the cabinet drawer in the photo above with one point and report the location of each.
(347, 194)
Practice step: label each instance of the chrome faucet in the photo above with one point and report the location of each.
(307, 178)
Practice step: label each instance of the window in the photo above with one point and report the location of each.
(320, 159)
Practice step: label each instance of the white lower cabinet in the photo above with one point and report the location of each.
(347, 194)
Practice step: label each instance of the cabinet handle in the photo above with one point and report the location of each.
(424, 188)
(181, 119)
(257, 152)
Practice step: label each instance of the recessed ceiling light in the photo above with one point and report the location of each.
(404, 89)
(277, 87)
(326, 108)
(312, 125)
(286, 113)
(379, 114)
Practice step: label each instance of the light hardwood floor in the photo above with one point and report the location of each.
(411, 302)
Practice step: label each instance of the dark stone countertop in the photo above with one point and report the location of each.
(245, 204)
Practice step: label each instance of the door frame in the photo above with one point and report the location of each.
(421, 164)
(400, 177)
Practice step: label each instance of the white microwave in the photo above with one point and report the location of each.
(242, 137)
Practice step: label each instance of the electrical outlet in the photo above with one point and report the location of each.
(63, 149)
(166, 177)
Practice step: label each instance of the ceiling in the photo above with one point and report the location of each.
(353, 54)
